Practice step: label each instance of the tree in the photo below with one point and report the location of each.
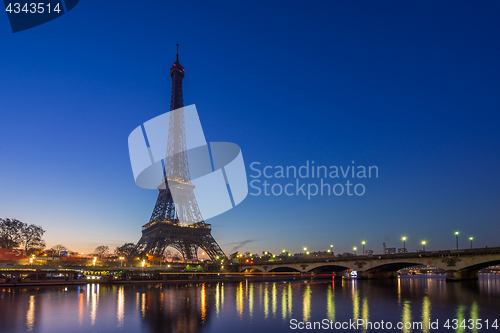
(31, 238)
(126, 250)
(57, 248)
(10, 233)
(101, 250)
(14, 233)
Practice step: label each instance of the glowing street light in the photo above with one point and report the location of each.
(354, 248)
(456, 235)
(363, 242)
(94, 261)
(404, 244)
(121, 261)
(305, 249)
(423, 246)
(471, 238)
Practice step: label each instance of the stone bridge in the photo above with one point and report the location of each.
(458, 264)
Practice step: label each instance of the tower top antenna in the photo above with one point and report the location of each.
(177, 52)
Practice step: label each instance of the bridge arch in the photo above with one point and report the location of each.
(252, 270)
(482, 265)
(284, 269)
(392, 267)
(327, 268)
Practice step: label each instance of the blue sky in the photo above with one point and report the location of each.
(409, 87)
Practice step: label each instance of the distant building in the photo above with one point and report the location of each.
(369, 252)
(403, 250)
(390, 250)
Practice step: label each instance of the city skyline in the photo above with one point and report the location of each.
(413, 94)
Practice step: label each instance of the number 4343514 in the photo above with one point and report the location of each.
(470, 324)
(32, 8)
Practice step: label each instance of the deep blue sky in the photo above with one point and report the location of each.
(411, 87)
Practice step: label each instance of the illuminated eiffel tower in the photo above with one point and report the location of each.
(173, 224)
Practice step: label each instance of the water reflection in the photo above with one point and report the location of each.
(283, 302)
(365, 312)
(460, 318)
(266, 302)
(474, 314)
(406, 318)
(426, 313)
(94, 300)
(30, 314)
(330, 303)
(306, 308)
(239, 299)
(274, 295)
(355, 304)
(120, 308)
(250, 301)
(250, 306)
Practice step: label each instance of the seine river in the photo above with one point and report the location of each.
(257, 307)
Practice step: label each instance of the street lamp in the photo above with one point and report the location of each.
(305, 249)
(363, 242)
(94, 261)
(354, 248)
(456, 235)
(121, 261)
(423, 246)
(471, 238)
(404, 244)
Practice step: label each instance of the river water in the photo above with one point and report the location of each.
(257, 307)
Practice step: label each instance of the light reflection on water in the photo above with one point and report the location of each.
(252, 306)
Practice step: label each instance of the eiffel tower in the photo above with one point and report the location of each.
(169, 225)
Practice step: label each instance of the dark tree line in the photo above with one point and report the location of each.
(17, 234)
(127, 250)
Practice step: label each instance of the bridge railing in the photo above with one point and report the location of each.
(412, 255)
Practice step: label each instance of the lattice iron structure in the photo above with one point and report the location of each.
(171, 225)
